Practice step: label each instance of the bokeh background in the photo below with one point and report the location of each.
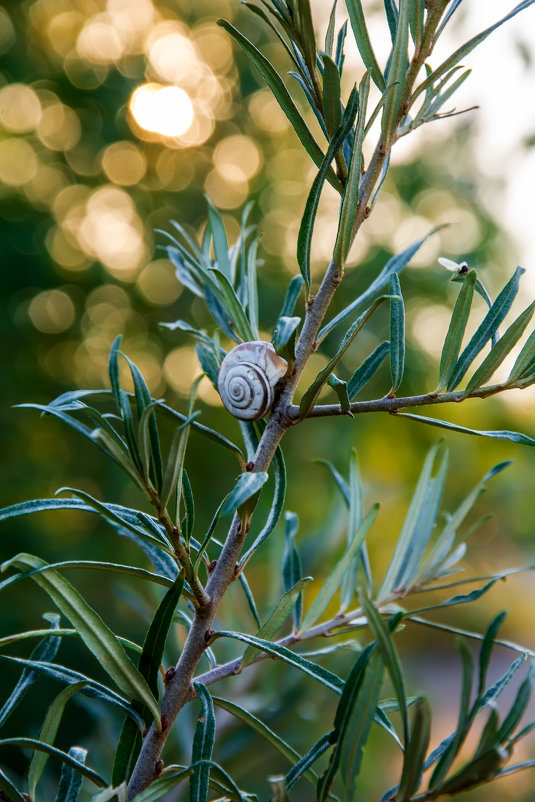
(116, 117)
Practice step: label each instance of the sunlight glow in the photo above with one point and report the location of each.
(165, 110)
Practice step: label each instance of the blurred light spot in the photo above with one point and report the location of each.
(44, 186)
(84, 75)
(214, 46)
(63, 30)
(171, 55)
(69, 205)
(18, 162)
(180, 368)
(267, 113)
(201, 128)
(225, 193)
(107, 294)
(83, 158)
(99, 41)
(174, 171)
(163, 110)
(124, 163)
(411, 229)
(64, 249)
(158, 284)
(7, 31)
(59, 127)
(428, 327)
(52, 311)
(131, 19)
(20, 108)
(237, 155)
(112, 232)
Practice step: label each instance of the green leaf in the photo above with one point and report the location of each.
(66, 675)
(329, 36)
(310, 396)
(247, 485)
(9, 789)
(284, 336)
(264, 731)
(219, 237)
(416, 21)
(48, 732)
(33, 743)
(292, 294)
(333, 581)
(486, 329)
(175, 459)
(233, 306)
(397, 333)
(250, 598)
(350, 202)
(203, 744)
(357, 724)
(355, 517)
(485, 652)
(352, 720)
(397, 71)
(282, 610)
(456, 329)
(301, 767)
(332, 111)
(340, 388)
(497, 354)
(394, 265)
(461, 52)
(150, 660)
(291, 563)
(367, 370)
(46, 650)
(304, 239)
(360, 32)
(463, 723)
(477, 771)
(98, 638)
(319, 673)
(516, 437)
(282, 96)
(113, 370)
(415, 751)
(419, 523)
(392, 663)
(70, 782)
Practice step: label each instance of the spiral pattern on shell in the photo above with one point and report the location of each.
(247, 379)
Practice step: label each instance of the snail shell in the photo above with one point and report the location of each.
(247, 379)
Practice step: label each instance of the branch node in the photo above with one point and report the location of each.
(169, 674)
(158, 768)
(249, 466)
(165, 723)
(211, 565)
(208, 635)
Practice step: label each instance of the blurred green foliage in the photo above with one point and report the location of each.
(83, 189)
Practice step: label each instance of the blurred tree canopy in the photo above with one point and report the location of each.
(117, 117)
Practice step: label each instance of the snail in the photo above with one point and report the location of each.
(247, 379)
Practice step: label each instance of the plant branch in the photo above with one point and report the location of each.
(387, 404)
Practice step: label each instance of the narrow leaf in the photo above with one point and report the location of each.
(457, 327)
(397, 333)
(360, 32)
(319, 673)
(282, 96)
(310, 396)
(332, 583)
(277, 618)
(394, 265)
(98, 638)
(304, 240)
(415, 751)
(516, 437)
(486, 329)
(33, 743)
(497, 354)
(331, 95)
(203, 744)
(247, 485)
(367, 370)
(70, 781)
(48, 732)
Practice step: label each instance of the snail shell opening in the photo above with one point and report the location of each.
(247, 379)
